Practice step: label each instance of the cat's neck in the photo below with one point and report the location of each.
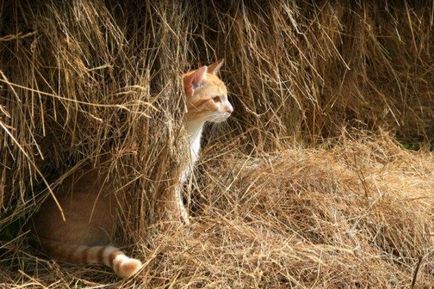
(194, 130)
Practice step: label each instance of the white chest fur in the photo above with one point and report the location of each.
(195, 146)
(194, 130)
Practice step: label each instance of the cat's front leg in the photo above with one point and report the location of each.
(171, 208)
(181, 207)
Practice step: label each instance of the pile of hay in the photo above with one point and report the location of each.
(359, 215)
(86, 82)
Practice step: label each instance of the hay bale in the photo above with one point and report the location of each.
(357, 215)
(86, 82)
(76, 90)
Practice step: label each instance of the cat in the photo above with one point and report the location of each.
(89, 205)
(207, 101)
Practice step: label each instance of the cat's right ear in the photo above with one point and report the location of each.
(194, 80)
(215, 67)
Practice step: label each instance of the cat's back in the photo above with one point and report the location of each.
(87, 208)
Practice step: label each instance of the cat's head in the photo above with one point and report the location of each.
(206, 94)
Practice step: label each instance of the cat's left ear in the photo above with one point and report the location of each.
(194, 80)
(215, 67)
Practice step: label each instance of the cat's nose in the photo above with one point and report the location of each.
(229, 109)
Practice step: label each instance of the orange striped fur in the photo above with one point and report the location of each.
(110, 256)
(90, 220)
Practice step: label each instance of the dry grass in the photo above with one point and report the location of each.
(358, 215)
(285, 197)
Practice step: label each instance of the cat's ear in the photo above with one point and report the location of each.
(215, 67)
(194, 80)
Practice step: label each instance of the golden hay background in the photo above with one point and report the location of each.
(306, 186)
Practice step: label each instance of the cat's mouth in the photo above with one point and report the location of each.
(221, 117)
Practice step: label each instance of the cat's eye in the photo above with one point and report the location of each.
(216, 98)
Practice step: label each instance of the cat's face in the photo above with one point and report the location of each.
(207, 96)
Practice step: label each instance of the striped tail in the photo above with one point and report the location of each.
(110, 256)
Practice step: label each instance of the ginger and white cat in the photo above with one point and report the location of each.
(89, 205)
(207, 101)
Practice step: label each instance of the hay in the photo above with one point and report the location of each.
(357, 215)
(86, 83)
